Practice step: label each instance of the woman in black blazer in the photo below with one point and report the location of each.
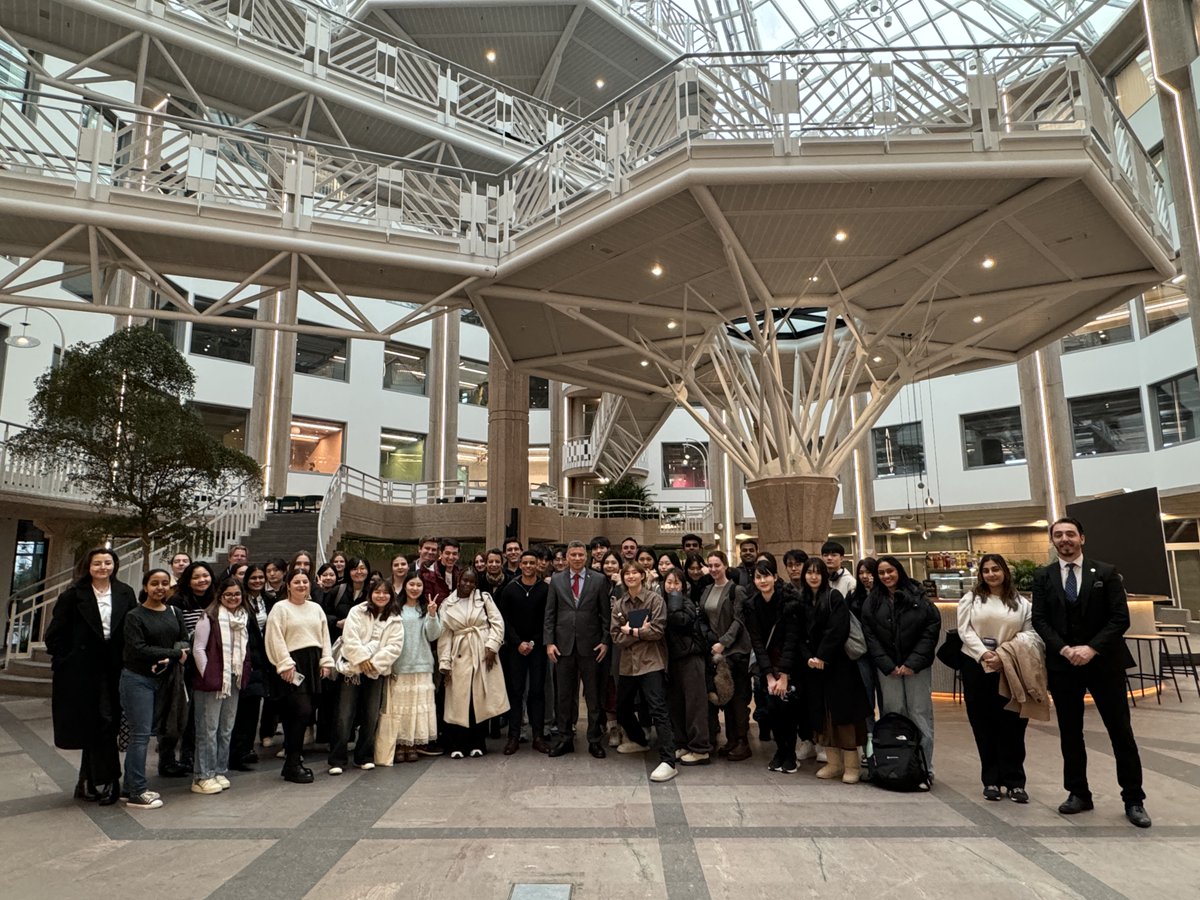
(86, 643)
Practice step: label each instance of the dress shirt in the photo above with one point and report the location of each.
(1062, 571)
(104, 603)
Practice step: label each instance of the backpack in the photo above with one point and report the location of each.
(897, 761)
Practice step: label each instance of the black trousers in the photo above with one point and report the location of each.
(783, 716)
(245, 725)
(688, 697)
(99, 763)
(296, 708)
(522, 673)
(737, 710)
(358, 705)
(465, 739)
(999, 733)
(1107, 687)
(269, 721)
(569, 671)
(653, 688)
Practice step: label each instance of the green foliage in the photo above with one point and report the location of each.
(1022, 573)
(631, 498)
(115, 411)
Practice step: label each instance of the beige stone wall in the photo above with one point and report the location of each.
(1013, 543)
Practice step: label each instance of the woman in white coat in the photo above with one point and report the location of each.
(372, 639)
(472, 633)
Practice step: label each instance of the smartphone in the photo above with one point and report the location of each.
(298, 679)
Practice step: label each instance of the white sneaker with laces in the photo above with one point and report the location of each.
(206, 786)
(664, 772)
(806, 750)
(631, 747)
(223, 782)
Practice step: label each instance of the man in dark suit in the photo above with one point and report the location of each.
(577, 639)
(1080, 611)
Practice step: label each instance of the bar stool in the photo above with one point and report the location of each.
(1154, 675)
(1182, 663)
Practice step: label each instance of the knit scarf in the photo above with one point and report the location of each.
(233, 643)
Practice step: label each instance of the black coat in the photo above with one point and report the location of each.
(1103, 612)
(837, 688)
(902, 631)
(777, 631)
(82, 662)
(683, 631)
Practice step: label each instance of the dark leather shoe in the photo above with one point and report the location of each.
(172, 769)
(991, 792)
(562, 748)
(85, 791)
(298, 775)
(540, 745)
(738, 752)
(1075, 804)
(1136, 813)
(513, 745)
(249, 759)
(111, 793)
(597, 751)
(239, 766)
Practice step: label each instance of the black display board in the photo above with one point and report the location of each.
(1126, 530)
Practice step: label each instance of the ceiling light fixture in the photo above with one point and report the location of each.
(599, 84)
(23, 341)
(645, 362)
(840, 236)
(490, 56)
(656, 270)
(988, 263)
(814, 277)
(672, 324)
(877, 359)
(977, 319)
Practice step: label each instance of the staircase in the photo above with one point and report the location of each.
(282, 534)
(27, 677)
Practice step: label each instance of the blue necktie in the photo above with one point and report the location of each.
(1072, 586)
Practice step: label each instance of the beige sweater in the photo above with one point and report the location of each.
(292, 626)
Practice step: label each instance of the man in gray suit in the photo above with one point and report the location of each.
(577, 640)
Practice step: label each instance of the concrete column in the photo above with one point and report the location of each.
(1171, 31)
(558, 435)
(508, 450)
(269, 427)
(441, 445)
(8, 557)
(1046, 421)
(130, 293)
(861, 488)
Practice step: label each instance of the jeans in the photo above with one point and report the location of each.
(357, 704)
(911, 696)
(653, 688)
(214, 725)
(137, 700)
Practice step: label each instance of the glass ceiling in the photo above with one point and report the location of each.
(811, 24)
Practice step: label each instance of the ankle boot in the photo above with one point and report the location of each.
(852, 763)
(833, 768)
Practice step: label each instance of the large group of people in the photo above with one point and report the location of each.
(430, 657)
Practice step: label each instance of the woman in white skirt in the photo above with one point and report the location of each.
(408, 722)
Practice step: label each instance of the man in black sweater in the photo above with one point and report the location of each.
(522, 603)
(1080, 611)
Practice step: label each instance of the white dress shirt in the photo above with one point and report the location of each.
(1062, 571)
(104, 603)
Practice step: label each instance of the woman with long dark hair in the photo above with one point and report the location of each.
(222, 669)
(155, 640)
(338, 561)
(775, 621)
(299, 649)
(687, 655)
(864, 580)
(722, 623)
(990, 615)
(400, 569)
(194, 593)
(250, 698)
(837, 704)
(901, 628)
(408, 722)
(371, 641)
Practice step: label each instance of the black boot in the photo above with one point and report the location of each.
(85, 791)
(295, 772)
(110, 793)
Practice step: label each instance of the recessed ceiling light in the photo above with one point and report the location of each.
(977, 319)
(988, 263)
(840, 236)
(645, 362)
(656, 270)
(599, 84)
(490, 56)
(814, 277)
(877, 359)
(672, 324)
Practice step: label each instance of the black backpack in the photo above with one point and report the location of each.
(897, 761)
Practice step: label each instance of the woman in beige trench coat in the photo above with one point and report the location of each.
(472, 633)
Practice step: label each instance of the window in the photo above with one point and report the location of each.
(1114, 327)
(321, 356)
(685, 465)
(1164, 305)
(401, 455)
(1108, 423)
(316, 446)
(473, 382)
(1176, 406)
(226, 424)
(539, 392)
(472, 461)
(218, 339)
(405, 368)
(1133, 84)
(993, 438)
(539, 465)
(470, 317)
(899, 449)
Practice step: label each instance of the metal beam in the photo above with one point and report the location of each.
(550, 73)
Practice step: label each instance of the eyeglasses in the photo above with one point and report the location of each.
(232, 595)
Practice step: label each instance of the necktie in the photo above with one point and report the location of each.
(1072, 586)
(575, 586)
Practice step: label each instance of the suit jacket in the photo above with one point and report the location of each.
(1103, 609)
(578, 627)
(82, 662)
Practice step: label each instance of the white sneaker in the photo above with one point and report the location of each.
(281, 754)
(223, 782)
(456, 754)
(693, 759)
(476, 753)
(614, 735)
(631, 747)
(821, 757)
(680, 752)
(664, 772)
(335, 770)
(367, 766)
(206, 786)
(807, 750)
(267, 742)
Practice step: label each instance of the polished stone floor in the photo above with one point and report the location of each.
(484, 829)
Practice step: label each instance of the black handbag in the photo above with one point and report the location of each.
(950, 653)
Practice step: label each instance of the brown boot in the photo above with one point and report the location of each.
(739, 751)
(852, 763)
(513, 745)
(539, 744)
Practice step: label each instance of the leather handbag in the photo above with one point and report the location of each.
(950, 653)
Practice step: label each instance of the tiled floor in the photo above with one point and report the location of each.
(476, 828)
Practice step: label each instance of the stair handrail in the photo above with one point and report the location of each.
(227, 517)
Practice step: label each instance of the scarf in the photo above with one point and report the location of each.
(233, 642)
